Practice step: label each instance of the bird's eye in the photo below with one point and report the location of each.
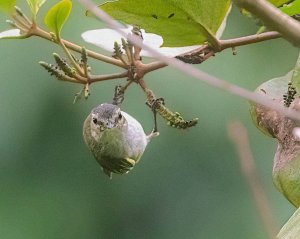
(95, 120)
(120, 116)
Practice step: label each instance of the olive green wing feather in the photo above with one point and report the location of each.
(115, 165)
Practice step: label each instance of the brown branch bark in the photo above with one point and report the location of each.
(273, 18)
(246, 40)
(94, 79)
(204, 52)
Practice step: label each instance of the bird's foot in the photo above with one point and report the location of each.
(152, 135)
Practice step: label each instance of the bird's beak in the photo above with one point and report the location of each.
(110, 125)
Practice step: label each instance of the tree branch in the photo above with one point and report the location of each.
(94, 79)
(70, 57)
(246, 40)
(141, 69)
(36, 31)
(204, 52)
(273, 18)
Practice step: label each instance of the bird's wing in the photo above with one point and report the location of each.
(115, 165)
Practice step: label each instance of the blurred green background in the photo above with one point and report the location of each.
(188, 183)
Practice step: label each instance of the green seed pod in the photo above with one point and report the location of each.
(84, 56)
(261, 116)
(64, 66)
(53, 70)
(87, 91)
(117, 50)
(173, 119)
(286, 167)
(286, 171)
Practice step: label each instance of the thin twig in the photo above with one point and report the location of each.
(143, 85)
(16, 24)
(190, 70)
(142, 69)
(124, 88)
(273, 18)
(84, 59)
(36, 31)
(80, 78)
(70, 79)
(238, 135)
(20, 23)
(94, 78)
(127, 51)
(23, 16)
(71, 58)
(131, 54)
(246, 40)
(223, 44)
(120, 57)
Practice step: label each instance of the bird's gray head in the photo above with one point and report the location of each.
(107, 116)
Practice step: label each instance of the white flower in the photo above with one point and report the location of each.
(105, 39)
(10, 33)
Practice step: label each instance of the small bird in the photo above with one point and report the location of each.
(116, 139)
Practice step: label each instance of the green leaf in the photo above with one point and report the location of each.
(179, 22)
(35, 6)
(57, 16)
(296, 76)
(292, 8)
(276, 87)
(278, 3)
(291, 229)
(7, 5)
